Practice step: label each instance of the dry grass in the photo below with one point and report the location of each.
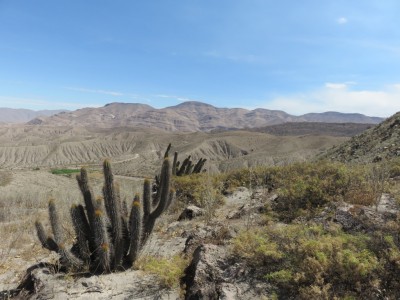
(24, 200)
(5, 177)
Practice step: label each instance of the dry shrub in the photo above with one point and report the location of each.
(248, 177)
(202, 190)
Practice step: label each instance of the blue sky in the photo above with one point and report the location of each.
(297, 56)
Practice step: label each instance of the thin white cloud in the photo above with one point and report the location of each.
(342, 98)
(239, 58)
(104, 92)
(179, 98)
(335, 85)
(342, 21)
(39, 104)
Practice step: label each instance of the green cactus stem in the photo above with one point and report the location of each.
(113, 207)
(135, 223)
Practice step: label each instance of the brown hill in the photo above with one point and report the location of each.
(315, 128)
(336, 117)
(375, 144)
(188, 116)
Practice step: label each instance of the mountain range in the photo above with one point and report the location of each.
(12, 115)
(187, 116)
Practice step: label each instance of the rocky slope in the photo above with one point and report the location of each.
(187, 116)
(375, 144)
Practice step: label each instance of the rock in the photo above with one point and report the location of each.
(347, 219)
(213, 275)
(256, 205)
(203, 275)
(366, 218)
(191, 212)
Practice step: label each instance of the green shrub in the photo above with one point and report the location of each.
(280, 277)
(64, 171)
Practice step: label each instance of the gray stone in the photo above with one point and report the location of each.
(191, 212)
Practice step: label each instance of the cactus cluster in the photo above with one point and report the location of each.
(108, 236)
(187, 167)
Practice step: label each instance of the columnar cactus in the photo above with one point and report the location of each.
(187, 167)
(107, 238)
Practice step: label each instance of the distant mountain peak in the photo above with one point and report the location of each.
(127, 104)
(22, 115)
(193, 104)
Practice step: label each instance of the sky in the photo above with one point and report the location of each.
(296, 56)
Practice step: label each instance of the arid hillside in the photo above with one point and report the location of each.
(378, 143)
(188, 116)
(133, 151)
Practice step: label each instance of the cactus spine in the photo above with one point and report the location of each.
(105, 241)
(101, 238)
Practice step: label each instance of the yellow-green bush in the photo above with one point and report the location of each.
(169, 271)
(308, 260)
(256, 247)
(303, 187)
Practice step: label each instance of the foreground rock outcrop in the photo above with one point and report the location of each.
(43, 283)
(213, 275)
